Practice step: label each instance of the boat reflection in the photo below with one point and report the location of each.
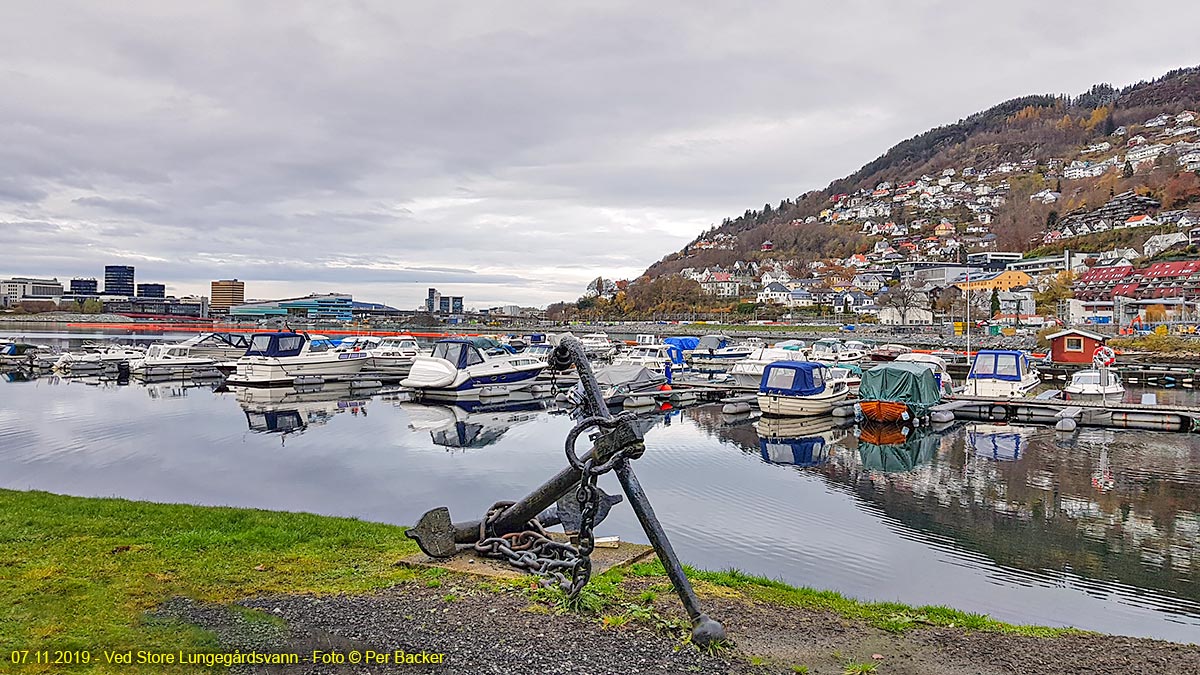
(471, 424)
(894, 448)
(799, 441)
(292, 410)
(1001, 442)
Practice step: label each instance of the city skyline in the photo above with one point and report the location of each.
(514, 153)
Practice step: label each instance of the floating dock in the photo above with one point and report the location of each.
(1065, 415)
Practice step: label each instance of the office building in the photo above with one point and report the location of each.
(118, 280)
(436, 303)
(227, 293)
(85, 286)
(151, 291)
(19, 289)
(328, 307)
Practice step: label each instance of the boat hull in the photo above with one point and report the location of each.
(885, 411)
(268, 370)
(800, 406)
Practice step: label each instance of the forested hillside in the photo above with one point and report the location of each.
(1040, 136)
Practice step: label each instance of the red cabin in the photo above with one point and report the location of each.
(1074, 346)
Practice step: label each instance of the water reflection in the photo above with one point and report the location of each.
(293, 410)
(470, 424)
(1096, 529)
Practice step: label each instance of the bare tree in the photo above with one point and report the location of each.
(904, 299)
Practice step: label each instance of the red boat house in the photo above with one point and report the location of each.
(1074, 346)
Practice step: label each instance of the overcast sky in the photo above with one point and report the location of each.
(508, 152)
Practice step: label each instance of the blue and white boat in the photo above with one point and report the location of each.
(715, 351)
(281, 358)
(1001, 373)
(799, 389)
(797, 441)
(459, 369)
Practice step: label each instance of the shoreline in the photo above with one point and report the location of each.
(111, 574)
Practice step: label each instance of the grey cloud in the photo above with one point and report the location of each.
(507, 152)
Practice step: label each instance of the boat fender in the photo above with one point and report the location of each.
(664, 387)
(941, 416)
(997, 412)
(736, 408)
(1065, 424)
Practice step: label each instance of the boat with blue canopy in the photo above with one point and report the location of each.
(1001, 373)
(280, 358)
(797, 441)
(799, 389)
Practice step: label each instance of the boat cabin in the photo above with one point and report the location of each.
(997, 364)
(794, 378)
(399, 342)
(461, 353)
(276, 345)
(1074, 346)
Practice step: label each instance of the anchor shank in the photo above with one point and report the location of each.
(704, 630)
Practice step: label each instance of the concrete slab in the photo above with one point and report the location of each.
(470, 562)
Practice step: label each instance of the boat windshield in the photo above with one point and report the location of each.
(781, 378)
(1007, 365)
(260, 343)
(1086, 378)
(646, 352)
(454, 353)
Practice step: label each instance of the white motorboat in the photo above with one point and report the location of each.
(657, 358)
(98, 359)
(831, 351)
(848, 373)
(748, 372)
(393, 355)
(715, 351)
(1095, 383)
(458, 369)
(1001, 373)
(799, 389)
(171, 360)
(799, 441)
(281, 358)
(598, 346)
(935, 363)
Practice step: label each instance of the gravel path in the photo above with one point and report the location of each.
(482, 631)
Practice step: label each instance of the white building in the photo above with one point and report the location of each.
(27, 288)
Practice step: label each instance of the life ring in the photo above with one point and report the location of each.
(1104, 356)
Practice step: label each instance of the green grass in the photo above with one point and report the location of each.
(890, 616)
(82, 573)
(703, 328)
(859, 668)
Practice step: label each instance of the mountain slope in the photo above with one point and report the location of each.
(1037, 128)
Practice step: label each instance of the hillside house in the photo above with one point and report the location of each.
(1002, 281)
(851, 299)
(1161, 242)
(767, 246)
(774, 293)
(1158, 121)
(721, 284)
(1143, 220)
(914, 316)
(800, 298)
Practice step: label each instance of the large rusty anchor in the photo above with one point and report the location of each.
(514, 530)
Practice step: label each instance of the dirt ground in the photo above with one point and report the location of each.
(484, 631)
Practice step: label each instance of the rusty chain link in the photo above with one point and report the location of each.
(532, 549)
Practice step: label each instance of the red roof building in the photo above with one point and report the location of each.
(1074, 346)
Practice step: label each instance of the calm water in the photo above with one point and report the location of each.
(1096, 529)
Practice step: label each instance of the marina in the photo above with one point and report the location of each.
(1020, 521)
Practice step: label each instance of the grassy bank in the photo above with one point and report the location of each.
(83, 574)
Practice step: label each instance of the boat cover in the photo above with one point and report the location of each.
(683, 342)
(713, 342)
(635, 376)
(885, 448)
(793, 378)
(276, 344)
(999, 364)
(909, 383)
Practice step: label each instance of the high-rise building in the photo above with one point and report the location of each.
(227, 293)
(82, 286)
(436, 303)
(151, 291)
(118, 280)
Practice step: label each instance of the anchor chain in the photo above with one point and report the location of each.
(532, 549)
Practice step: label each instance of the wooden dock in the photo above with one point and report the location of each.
(1066, 415)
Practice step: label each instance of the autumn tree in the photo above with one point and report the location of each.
(1181, 189)
(904, 299)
